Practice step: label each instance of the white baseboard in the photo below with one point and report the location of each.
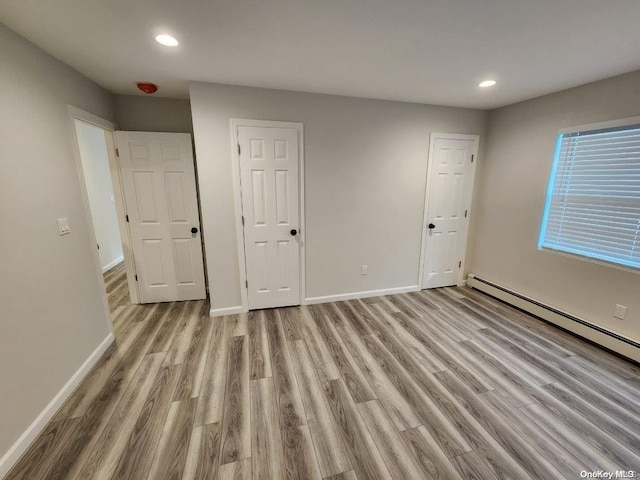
(220, 312)
(11, 457)
(367, 294)
(584, 328)
(109, 266)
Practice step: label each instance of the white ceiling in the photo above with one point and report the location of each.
(427, 51)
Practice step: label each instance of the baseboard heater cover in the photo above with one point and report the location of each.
(617, 343)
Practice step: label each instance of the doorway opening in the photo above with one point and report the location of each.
(100, 182)
(94, 157)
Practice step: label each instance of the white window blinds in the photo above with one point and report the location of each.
(593, 204)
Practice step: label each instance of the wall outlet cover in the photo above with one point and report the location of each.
(620, 312)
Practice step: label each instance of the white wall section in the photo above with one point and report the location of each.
(365, 173)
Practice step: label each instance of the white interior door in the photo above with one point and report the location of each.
(269, 187)
(449, 192)
(160, 195)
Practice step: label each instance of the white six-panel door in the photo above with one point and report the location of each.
(269, 189)
(449, 191)
(160, 195)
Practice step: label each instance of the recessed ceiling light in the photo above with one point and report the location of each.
(487, 83)
(167, 40)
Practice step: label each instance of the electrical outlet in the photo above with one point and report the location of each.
(620, 311)
(63, 226)
(365, 269)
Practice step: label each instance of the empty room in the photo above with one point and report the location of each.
(319, 240)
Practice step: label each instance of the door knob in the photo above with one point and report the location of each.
(194, 230)
(294, 232)
(431, 226)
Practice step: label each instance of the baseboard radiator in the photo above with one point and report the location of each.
(618, 344)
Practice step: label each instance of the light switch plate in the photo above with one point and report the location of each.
(63, 226)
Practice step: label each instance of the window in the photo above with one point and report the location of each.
(593, 203)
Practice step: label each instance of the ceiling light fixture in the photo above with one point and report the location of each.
(487, 83)
(166, 40)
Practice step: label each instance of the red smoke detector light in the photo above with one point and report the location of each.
(148, 88)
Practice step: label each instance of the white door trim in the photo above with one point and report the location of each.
(114, 167)
(446, 136)
(237, 196)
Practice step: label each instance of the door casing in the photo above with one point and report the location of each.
(237, 194)
(109, 127)
(447, 136)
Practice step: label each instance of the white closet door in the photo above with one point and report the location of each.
(450, 186)
(269, 186)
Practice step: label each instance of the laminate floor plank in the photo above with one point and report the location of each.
(37, 461)
(350, 475)
(435, 464)
(392, 327)
(290, 318)
(171, 454)
(353, 318)
(203, 454)
(322, 358)
(299, 455)
(195, 361)
(137, 456)
(627, 432)
(396, 405)
(240, 470)
(259, 357)
(596, 389)
(348, 368)
(579, 447)
(236, 428)
(472, 467)
(99, 411)
(327, 439)
(545, 443)
(168, 327)
(183, 337)
(517, 447)
(449, 353)
(211, 399)
(103, 460)
(396, 454)
(442, 384)
(127, 349)
(237, 324)
(361, 448)
(429, 414)
(267, 452)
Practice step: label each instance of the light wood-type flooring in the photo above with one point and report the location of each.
(439, 384)
(115, 281)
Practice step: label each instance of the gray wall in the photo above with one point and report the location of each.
(53, 316)
(511, 193)
(365, 173)
(153, 114)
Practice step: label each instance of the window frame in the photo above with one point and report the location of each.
(611, 124)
